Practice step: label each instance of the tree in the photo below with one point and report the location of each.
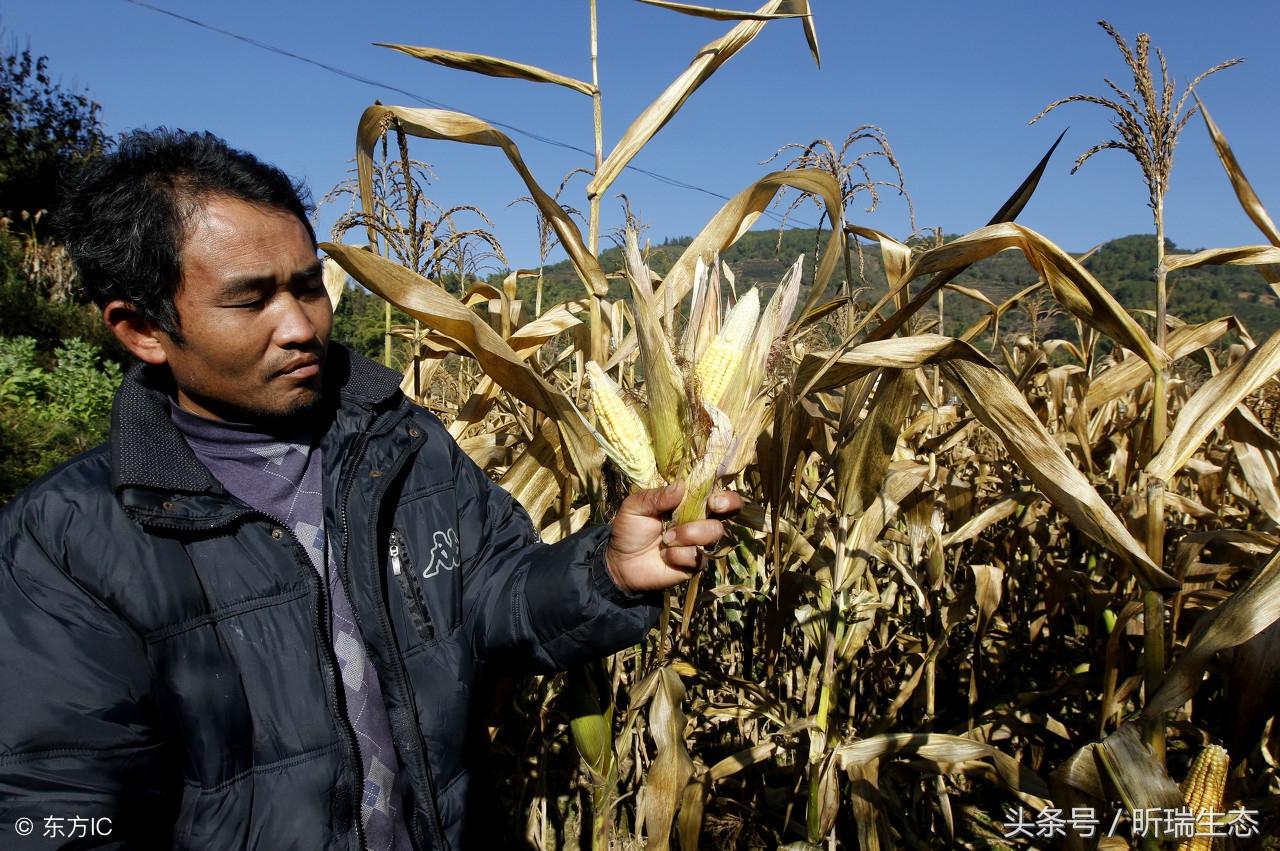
(45, 130)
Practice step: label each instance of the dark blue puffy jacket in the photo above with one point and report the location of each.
(163, 657)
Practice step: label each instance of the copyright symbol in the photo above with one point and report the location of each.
(24, 826)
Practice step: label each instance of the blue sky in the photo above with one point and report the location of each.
(952, 84)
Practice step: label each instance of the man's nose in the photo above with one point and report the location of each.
(295, 325)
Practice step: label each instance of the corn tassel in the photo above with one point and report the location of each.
(1202, 791)
(624, 437)
(718, 365)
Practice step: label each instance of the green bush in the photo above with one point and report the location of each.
(49, 414)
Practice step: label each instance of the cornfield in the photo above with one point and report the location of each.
(975, 575)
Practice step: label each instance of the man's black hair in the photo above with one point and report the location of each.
(125, 215)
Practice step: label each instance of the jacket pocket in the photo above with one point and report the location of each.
(423, 532)
(402, 567)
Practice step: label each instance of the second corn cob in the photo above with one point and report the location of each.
(1202, 792)
(626, 440)
(718, 365)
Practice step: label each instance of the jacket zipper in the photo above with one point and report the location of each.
(399, 677)
(337, 701)
(348, 483)
(402, 568)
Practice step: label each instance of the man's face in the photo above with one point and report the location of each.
(253, 314)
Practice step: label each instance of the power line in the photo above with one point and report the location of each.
(342, 72)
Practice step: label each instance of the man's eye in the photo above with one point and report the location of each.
(250, 305)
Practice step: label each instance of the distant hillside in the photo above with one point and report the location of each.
(1125, 265)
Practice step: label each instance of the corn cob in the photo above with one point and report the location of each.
(1202, 791)
(706, 469)
(622, 433)
(590, 725)
(719, 363)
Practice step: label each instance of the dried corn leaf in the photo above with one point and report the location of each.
(1265, 258)
(988, 588)
(668, 406)
(998, 405)
(976, 295)
(1211, 404)
(743, 759)
(460, 127)
(1081, 771)
(531, 336)
(660, 111)
(1176, 503)
(865, 793)
(491, 66)
(415, 385)
(810, 31)
(1131, 372)
(792, 421)
(861, 460)
(1074, 288)
(1084, 297)
(671, 767)
(476, 408)
(1248, 198)
(1017, 202)
(902, 353)
(440, 311)
(335, 281)
(947, 751)
(657, 114)
(1247, 612)
(857, 540)
(692, 804)
(539, 478)
(1258, 460)
(524, 342)
(895, 256)
(725, 227)
(992, 320)
(565, 526)
(1137, 774)
(720, 14)
(1008, 211)
(490, 450)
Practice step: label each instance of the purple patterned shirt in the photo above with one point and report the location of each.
(281, 477)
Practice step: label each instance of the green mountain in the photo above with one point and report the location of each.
(1126, 266)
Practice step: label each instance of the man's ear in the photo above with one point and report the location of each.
(135, 332)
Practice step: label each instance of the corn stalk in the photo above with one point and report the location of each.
(823, 649)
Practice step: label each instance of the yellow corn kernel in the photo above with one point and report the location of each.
(626, 440)
(1202, 790)
(719, 363)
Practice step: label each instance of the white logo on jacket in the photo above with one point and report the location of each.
(444, 553)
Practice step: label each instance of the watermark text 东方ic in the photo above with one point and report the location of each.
(63, 827)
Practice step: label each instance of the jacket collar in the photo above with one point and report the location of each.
(148, 451)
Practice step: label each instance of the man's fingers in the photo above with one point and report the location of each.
(696, 533)
(724, 503)
(654, 502)
(685, 558)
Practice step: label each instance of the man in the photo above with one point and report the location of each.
(255, 617)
